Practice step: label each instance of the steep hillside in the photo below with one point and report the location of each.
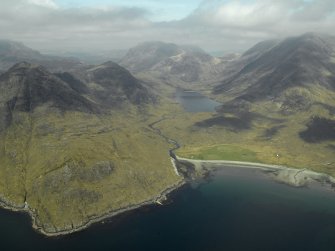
(278, 107)
(70, 154)
(294, 73)
(112, 85)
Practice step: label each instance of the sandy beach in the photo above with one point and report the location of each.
(290, 176)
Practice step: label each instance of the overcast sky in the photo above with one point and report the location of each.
(215, 25)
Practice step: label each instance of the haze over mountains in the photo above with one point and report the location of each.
(172, 63)
(293, 73)
(12, 52)
(77, 141)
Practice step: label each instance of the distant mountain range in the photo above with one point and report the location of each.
(12, 52)
(76, 141)
(172, 63)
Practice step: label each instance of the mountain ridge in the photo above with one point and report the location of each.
(168, 62)
(13, 52)
(302, 62)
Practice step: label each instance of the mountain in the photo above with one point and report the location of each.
(146, 55)
(294, 73)
(286, 85)
(278, 107)
(75, 148)
(110, 84)
(172, 63)
(12, 52)
(91, 57)
(25, 86)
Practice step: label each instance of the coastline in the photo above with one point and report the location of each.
(158, 199)
(38, 228)
(186, 169)
(290, 176)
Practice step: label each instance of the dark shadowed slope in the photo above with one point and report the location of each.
(26, 86)
(298, 61)
(112, 85)
(295, 73)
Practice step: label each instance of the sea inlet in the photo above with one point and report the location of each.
(231, 209)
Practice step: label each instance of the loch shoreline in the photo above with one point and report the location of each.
(290, 176)
(93, 220)
(282, 174)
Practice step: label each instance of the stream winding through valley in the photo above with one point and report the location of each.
(233, 209)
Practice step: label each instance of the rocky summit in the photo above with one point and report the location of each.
(176, 64)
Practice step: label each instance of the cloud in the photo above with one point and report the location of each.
(214, 25)
(315, 11)
(245, 22)
(45, 25)
(44, 3)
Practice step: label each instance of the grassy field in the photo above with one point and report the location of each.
(220, 152)
(272, 138)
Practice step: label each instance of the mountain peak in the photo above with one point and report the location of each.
(12, 52)
(116, 85)
(27, 86)
(312, 35)
(24, 65)
(8, 48)
(279, 70)
(171, 62)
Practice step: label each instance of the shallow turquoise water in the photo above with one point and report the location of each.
(234, 210)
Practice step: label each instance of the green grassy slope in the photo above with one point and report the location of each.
(73, 167)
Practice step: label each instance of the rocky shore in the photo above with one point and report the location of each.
(291, 176)
(159, 199)
(189, 169)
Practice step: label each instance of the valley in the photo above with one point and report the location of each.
(92, 142)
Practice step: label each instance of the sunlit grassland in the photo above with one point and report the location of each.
(283, 148)
(73, 166)
(220, 152)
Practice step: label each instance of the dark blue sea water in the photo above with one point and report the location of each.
(233, 210)
(195, 102)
